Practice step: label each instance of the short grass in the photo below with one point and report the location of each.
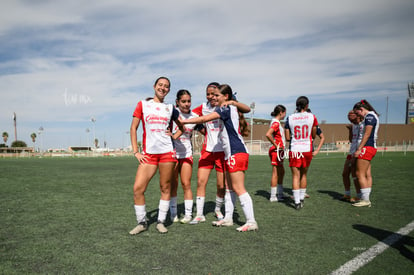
(73, 215)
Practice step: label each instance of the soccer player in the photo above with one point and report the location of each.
(276, 136)
(157, 153)
(236, 156)
(366, 150)
(300, 130)
(355, 135)
(184, 154)
(212, 156)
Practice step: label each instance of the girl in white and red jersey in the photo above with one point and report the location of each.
(212, 156)
(236, 156)
(158, 152)
(300, 130)
(184, 152)
(366, 150)
(355, 136)
(276, 136)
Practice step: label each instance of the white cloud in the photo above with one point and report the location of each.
(66, 61)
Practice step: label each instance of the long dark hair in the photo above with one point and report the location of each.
(364, 104)
(225, 89)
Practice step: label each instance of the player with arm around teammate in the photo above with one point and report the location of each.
(366, 150)
(300, 130)
(276, 136)
(212, 156)
(158, 152)
(236, 155)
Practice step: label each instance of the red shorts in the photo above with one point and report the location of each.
(188, 160)
(237, 162)
(367, 153)
(276, 157)
(155, 159)
(210, 159)
(300, 159)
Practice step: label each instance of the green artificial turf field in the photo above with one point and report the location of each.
(73, 215)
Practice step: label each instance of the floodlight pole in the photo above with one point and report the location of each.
(41, 129)
(252, 107)
(94, 136)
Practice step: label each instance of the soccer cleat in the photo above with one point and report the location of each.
(346, 198)
(362, 203)
(298, 206)
(273, 199)
(143, 226)
(280, 198)
(175, 219)
(222, 222)
(198, 219)
(248, 226)
(306, 195)
(354, 199)
(186, 219)
(302, 203)
(161, 228)
(219, 215)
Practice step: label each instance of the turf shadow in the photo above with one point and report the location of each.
(334, 195)
(395, 240)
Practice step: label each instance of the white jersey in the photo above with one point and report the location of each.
(357, 134)
(156, 118)
(183, 146)
(300, 126)
(211, 141)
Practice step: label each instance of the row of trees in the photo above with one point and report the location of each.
(16, 143)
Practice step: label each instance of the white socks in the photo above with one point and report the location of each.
(140, 213)
(302, 193)
(163, 210)
(247, 206)
(229, 202)
(188, 205)
(200, 205)
(219, 204)
(296, 195)
(273, 192)
(365, 192)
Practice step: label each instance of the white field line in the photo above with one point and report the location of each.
(367, 256)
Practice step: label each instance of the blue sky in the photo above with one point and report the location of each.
(63, 62)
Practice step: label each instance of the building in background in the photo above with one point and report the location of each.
(409, 118)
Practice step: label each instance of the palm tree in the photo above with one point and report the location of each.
(96, 143)
(33, 136)
(5, 136)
